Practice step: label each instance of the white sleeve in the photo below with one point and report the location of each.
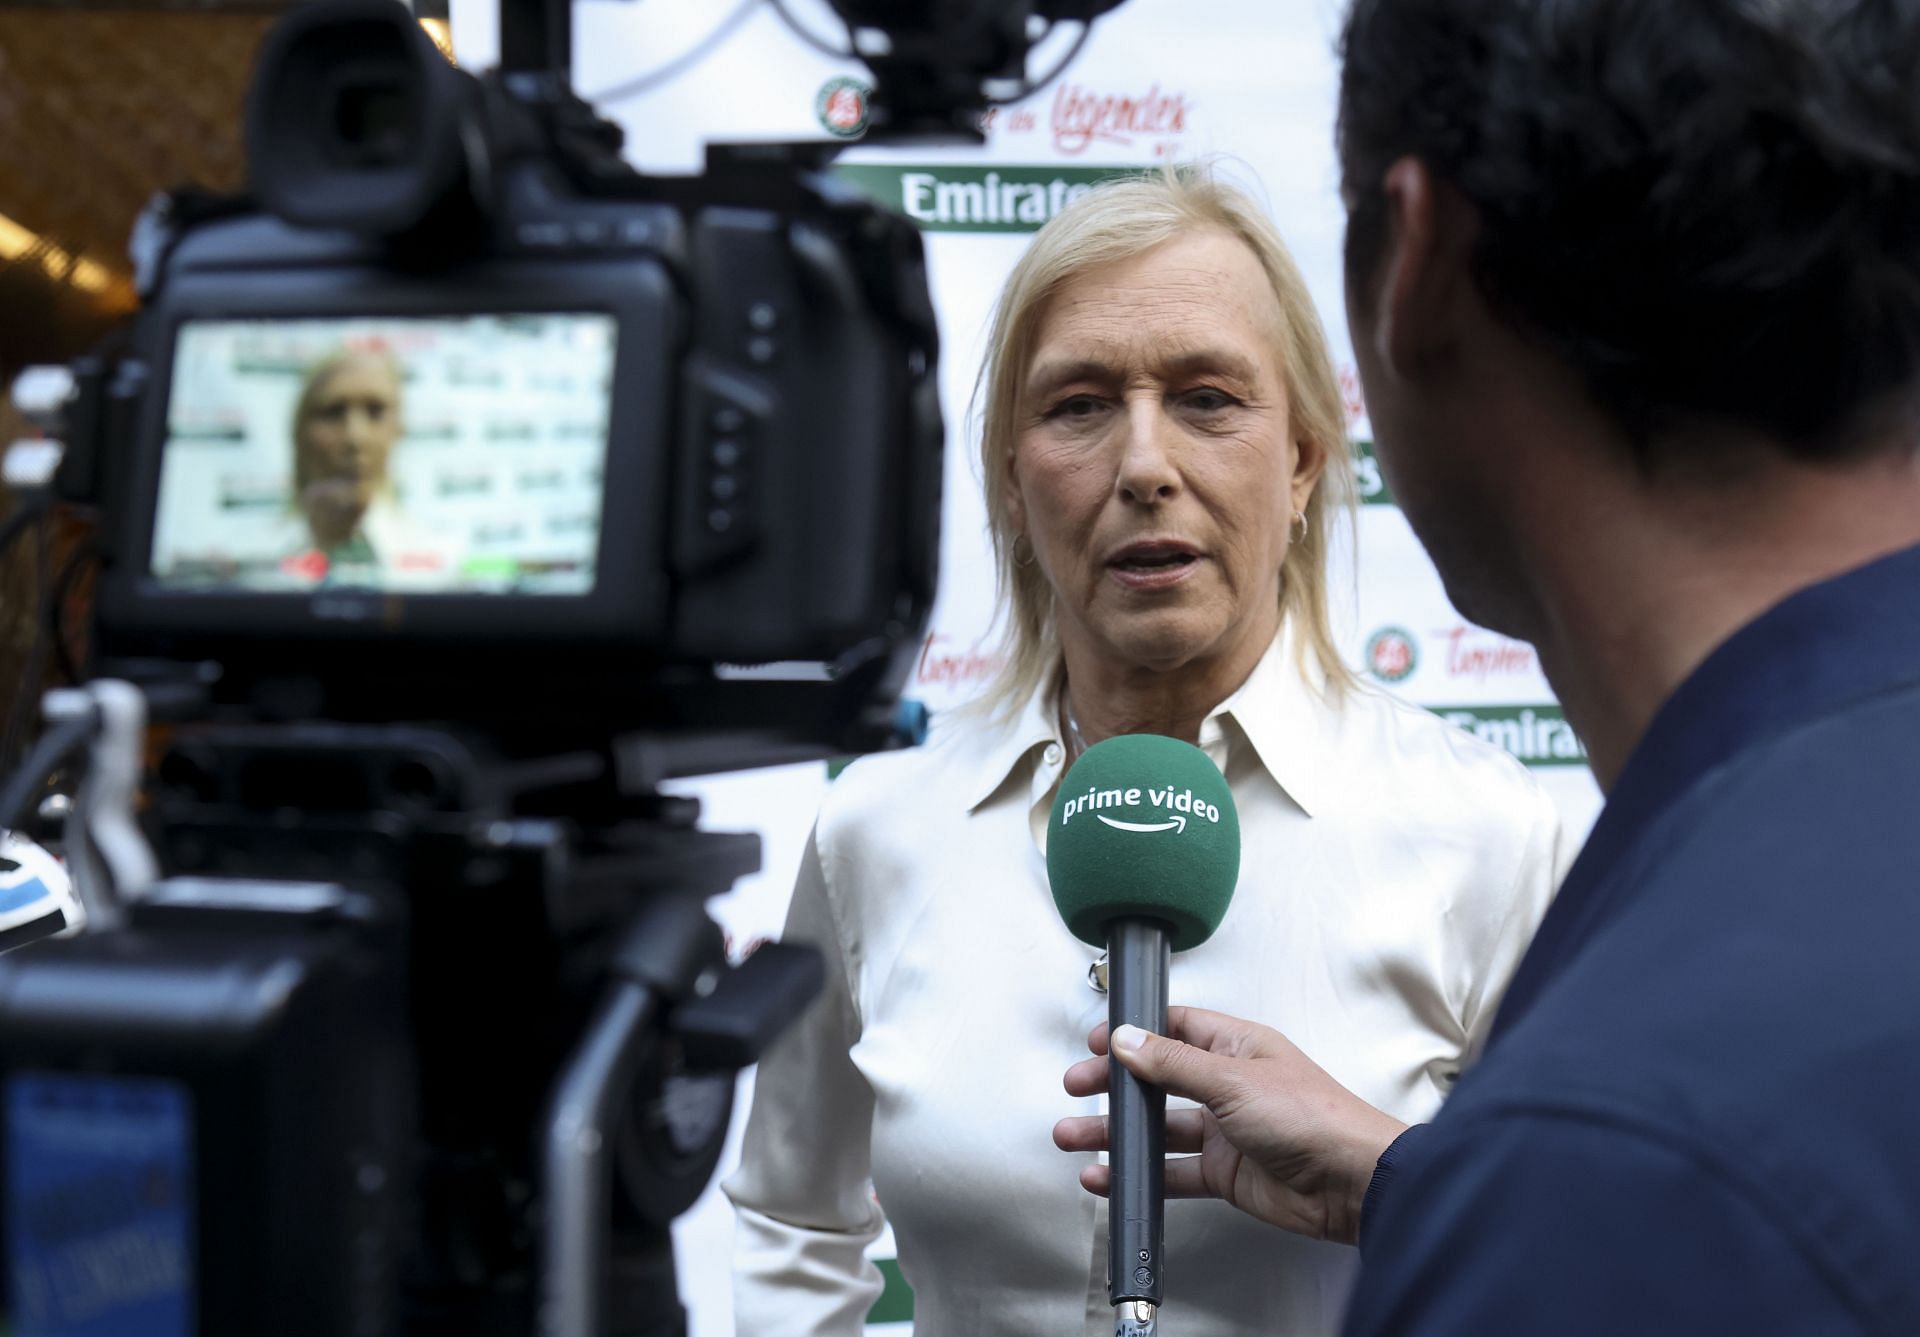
(1535, 882)
(804, 1204)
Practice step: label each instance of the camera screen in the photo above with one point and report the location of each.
(442, 455)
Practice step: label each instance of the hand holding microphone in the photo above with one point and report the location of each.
(1143, 850)
(1277, 1138)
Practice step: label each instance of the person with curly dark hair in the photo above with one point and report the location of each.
(1634, 288)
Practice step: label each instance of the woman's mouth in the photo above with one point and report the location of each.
(336, 493)
(1148, 566)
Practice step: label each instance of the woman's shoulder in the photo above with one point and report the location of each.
(941, 778)
(894, 827)
(1412, 750)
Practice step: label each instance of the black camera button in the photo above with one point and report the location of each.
(720, 493)
(762, 317)
(542, 236)
(761, 349)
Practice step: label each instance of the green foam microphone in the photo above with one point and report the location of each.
(1143, 851)
(1144, 828)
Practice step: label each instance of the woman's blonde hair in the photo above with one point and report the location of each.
(1116, 221)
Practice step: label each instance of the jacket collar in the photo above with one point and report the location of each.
(1818, 652)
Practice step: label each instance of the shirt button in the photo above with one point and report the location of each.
(1052, 755)
(1097, 975)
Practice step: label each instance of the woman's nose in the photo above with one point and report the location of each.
(1147, 471)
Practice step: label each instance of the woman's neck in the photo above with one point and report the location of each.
(1103, 699)
(333, 531)
(334, 524)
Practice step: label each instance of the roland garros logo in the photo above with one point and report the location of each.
(842, 107)
(1182, 805)
(1392, 654)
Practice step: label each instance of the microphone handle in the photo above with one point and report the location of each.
(1137, 962)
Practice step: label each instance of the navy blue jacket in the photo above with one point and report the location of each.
(1699, 1111)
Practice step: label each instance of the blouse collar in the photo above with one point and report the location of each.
(1282, 710)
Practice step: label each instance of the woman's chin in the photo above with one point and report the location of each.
(1163, 640)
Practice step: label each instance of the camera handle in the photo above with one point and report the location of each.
(592, 1092)
(536, 37)
(109, 855)
(664, 987)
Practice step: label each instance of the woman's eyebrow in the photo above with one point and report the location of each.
(1051, 376)
(1212, 361)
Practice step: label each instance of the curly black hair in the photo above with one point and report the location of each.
(1709, 208)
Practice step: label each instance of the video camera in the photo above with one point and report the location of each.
(650, 425)
(458, 485)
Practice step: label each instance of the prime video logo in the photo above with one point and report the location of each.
(1183, 804)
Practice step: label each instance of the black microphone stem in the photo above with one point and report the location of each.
(1137, 963)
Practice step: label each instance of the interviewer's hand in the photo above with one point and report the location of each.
(1278, 1138)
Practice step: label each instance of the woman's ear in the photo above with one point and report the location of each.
(1309, 464)
(1010, 497)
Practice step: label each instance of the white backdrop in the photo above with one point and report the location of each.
(1160, 79)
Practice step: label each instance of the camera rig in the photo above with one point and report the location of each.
(399, 1010)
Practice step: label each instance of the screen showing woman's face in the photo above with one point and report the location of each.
(449, 454)
(348, 433)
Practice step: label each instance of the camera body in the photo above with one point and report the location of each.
(237, 1154)
(455, 1082)
(652, 427)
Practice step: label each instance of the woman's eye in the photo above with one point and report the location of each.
(1075, 406)
(1211, 401)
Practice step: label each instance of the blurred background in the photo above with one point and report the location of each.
(101, 106)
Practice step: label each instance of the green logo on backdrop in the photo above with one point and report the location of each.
(1367, 475)
(1537, 735)
(944, 197)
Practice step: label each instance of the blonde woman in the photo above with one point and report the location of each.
(1165, 456)
(345, 426)
(346, 525)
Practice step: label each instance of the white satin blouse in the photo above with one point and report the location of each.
(1393, 869)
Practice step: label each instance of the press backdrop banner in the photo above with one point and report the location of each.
(1250, 81)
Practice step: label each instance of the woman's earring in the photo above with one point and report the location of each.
(1300, 518)
(1018, 560)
